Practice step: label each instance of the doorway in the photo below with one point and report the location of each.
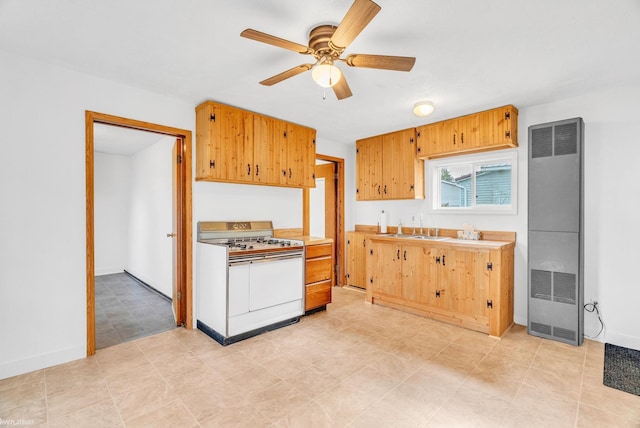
(323, 210)
(181, 213)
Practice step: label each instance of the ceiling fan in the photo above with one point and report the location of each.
(327, 43)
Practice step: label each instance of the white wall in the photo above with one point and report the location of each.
(111, 213)
(42, 221)
(611, 173)
(149, 251)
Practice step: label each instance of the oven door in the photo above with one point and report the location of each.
(275, 281)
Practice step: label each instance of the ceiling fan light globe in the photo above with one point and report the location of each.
(423, 108)
(326, 75)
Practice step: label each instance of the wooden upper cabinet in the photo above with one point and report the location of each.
(208, 144)
(300, 165)
(239, 146)
(478, 132)
(403, 172)
(387, 167)
(266, 154)
(369, 169)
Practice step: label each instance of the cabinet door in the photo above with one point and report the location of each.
(473, 284)
(228, 132)
(244, 155)
(416, 273)
(356, 259)
(309, 158)
(499, 127)
(385, 268)
(470, 132)
(297, 154)
(282, 147)
(369, 169)
(463, 283)
(427, 139)
(266, 151)
(402, 171)
(296, 138)
(208, 143)
(442, 286)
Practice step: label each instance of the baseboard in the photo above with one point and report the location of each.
(620, 339)
(155, 290)
(26, 365)
(109, 271)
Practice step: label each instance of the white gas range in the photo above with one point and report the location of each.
(248, 282)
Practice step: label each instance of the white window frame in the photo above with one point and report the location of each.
(433, 182)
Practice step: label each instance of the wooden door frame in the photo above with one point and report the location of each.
(184, 234)
(306, 222)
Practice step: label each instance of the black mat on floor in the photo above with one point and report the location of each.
(622, 368)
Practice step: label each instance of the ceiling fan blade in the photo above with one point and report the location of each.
(286, 74)
(358, 16)
(342, 89)
(275, 41)
(384, 62)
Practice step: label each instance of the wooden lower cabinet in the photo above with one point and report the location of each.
(466, 285)
(357, 246)
(318, 275)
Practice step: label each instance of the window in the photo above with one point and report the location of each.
(485, 183)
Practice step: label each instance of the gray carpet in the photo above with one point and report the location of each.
(622, 368)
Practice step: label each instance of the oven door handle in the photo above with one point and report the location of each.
(278, 257)
(239, 263)
(264, 259)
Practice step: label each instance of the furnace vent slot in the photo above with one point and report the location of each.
(541, 284)
(566, 139)
(541, 328)
(542, 142)
(564, 287)
(564, 333)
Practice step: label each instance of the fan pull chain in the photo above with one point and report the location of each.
(324, 93)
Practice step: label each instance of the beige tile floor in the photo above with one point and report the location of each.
(354, 365)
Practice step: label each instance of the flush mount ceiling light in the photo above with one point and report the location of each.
(326, 74)
(423, 108)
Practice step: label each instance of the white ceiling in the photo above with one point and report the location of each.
(471, 54)
(116, 140)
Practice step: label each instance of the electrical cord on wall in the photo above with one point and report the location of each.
(593, 307)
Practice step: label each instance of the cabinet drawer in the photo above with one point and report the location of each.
(318, 250)
(317, 294)
(318, 269)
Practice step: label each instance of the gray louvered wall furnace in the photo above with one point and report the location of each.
(555, 271)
